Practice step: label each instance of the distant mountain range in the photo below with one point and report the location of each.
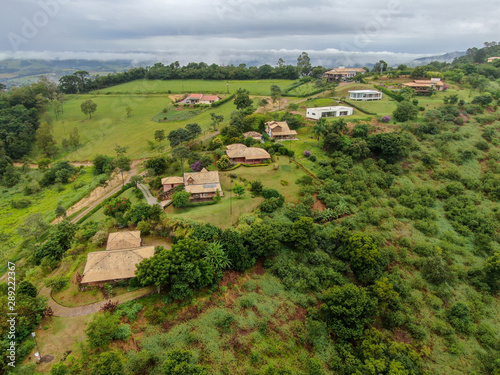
(447, 57)
(22, 72)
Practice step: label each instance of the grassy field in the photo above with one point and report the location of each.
(257, 87)
(43, 203)
(219, 214)
(110, 125)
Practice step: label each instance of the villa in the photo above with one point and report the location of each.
(491, 59)
(239, 153)
(280, 131)
(119, 260)
(201, 99)
(202, 185)
(337, 111)
(342, 73)
(365, 95)
(426, 86)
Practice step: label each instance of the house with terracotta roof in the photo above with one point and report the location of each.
(426, 86)
(201, 99)
(342, 73)
(280, 131)
(255, 135)
(124, 240)
(113, 265)
(119, 260)
(171, 182)
(336, 111)
(239, 153)
(202, 185)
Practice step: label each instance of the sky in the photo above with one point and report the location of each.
(245, 31)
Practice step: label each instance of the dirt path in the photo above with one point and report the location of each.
(99, 194)
(63, 311)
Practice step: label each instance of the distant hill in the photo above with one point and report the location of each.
(21, 72)
(447, 57)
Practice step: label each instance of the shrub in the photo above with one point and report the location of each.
(386, 119)
(307, 153)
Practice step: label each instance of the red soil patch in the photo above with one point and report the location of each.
(318, 205)
(402, 336)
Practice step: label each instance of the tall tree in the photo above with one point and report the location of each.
(182, 153)
(276, 94)
(304, 66)
(242, 99)
(160, 136)
(45, 141)
(216, 120)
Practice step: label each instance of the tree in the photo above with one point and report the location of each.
(136, 180)
(123, 164)
(102, 164)
(129, 111)
(74, 138)
(304, 66)
(390, 146)
(347, 309)
(319, 129)
(242, 99)
(216, 257)
(216, 120)
(60, 211)
(181, 153)
(45, 141)
(179, 362)
(101, 330)
(160, 136)
(177, 136)
(26, 288)
(276, 94)
(194, 130)
(88, 107)
(107, 363)
(405, 111)
(120, 150)
(223, 162)
(239, 190)
(181, 199)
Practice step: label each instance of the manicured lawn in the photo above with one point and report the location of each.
(110, 125)
(219, 214)
(256, 87)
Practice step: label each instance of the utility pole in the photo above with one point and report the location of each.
(37, 348)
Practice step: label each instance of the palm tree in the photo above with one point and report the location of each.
(319, 129)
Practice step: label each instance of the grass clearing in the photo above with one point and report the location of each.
(110, 125)
(179, 86)
(219, 214)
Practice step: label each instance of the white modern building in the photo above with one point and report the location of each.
(365, 95)
(337, 111)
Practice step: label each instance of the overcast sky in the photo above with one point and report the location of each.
(249, 31)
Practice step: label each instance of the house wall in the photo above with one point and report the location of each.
(168, 187)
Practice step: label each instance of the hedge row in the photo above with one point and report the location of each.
(221, 102)
(359, 108)
(390, 93)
